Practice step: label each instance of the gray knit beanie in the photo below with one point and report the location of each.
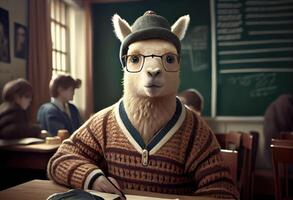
(150, 26)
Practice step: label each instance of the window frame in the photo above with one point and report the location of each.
(59, 27)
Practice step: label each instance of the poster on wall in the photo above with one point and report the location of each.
(4, 36)
(20, 41)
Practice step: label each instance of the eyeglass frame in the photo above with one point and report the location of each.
(145, 56)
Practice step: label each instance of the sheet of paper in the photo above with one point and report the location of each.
(108, 196)
(23, 141)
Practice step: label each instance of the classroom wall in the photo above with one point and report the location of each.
(18, 12)
(76, 17)
(235, 124)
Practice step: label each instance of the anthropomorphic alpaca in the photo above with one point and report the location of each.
(148, 140)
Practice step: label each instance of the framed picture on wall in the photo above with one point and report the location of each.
(20, 41)
(4, 36)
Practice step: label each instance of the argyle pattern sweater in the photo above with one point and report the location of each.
(182, 158)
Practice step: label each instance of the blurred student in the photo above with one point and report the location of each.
(278, 118)
(59, 113)
(14, 123)
(193, 99)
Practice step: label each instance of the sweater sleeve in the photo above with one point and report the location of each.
(205, 162)
(15, 125)
(80, 159)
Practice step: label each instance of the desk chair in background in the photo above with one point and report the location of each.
(286, 135)
(230, 158)
(282, 156)
(246, 145)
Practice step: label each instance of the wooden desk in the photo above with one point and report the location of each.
(42, 189)
(33, 156)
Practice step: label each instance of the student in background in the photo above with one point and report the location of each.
(278, 118)
(14, 123)
(59, 113)
(193, 99)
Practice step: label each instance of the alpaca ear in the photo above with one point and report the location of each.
(121, 27)
(180, 26)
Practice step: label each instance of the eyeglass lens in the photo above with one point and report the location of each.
(134, 63)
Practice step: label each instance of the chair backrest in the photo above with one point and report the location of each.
(282, 152)
(286, 135)
(282, 142)
(246, 145)
(221, 138)
(249, 145)
(230, 140)
(230, 158)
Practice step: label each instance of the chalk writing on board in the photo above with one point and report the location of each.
(195, 47)
(261, 85)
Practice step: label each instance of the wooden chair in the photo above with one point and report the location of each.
(283, 169)
(246, 145)
(282, 151)
(286, 135)
(282, 142)
(231, 140)
(230, 157)
(249, 145)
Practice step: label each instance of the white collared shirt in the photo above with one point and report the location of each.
(61, 106)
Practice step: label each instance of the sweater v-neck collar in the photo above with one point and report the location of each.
(159, 138)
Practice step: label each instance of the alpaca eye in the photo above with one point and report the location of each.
(170, 59)
(134, 59)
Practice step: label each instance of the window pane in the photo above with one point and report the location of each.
(57, 10)
(63, 39)
(58, 46)
(53, 35)
(54, 59)
(58, 61)
(63, 62)
(59, 33)
(62, 7)
(52, 9)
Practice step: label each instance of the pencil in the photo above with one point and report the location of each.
(122, 195)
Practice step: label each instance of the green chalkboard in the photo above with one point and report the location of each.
(195, 65)
(249, 94)
(254, 54)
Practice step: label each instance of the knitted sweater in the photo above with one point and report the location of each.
(181, 158)
(14, 123)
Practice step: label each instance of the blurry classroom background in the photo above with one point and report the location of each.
(238, 54)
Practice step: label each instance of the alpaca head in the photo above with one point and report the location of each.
(150, 54)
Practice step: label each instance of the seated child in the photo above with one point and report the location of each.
(14, 123)
(59, 113)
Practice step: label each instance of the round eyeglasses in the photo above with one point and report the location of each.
(134, 63)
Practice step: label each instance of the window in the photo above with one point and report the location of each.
(60, 40)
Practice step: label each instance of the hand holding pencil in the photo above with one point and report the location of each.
(108, 185)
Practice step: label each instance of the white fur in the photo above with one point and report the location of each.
(179, 28)
(149, 115)
(121, 27)
(150, 110)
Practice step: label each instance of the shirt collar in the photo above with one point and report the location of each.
(58, 104)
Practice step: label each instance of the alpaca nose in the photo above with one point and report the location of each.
(154, 72)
